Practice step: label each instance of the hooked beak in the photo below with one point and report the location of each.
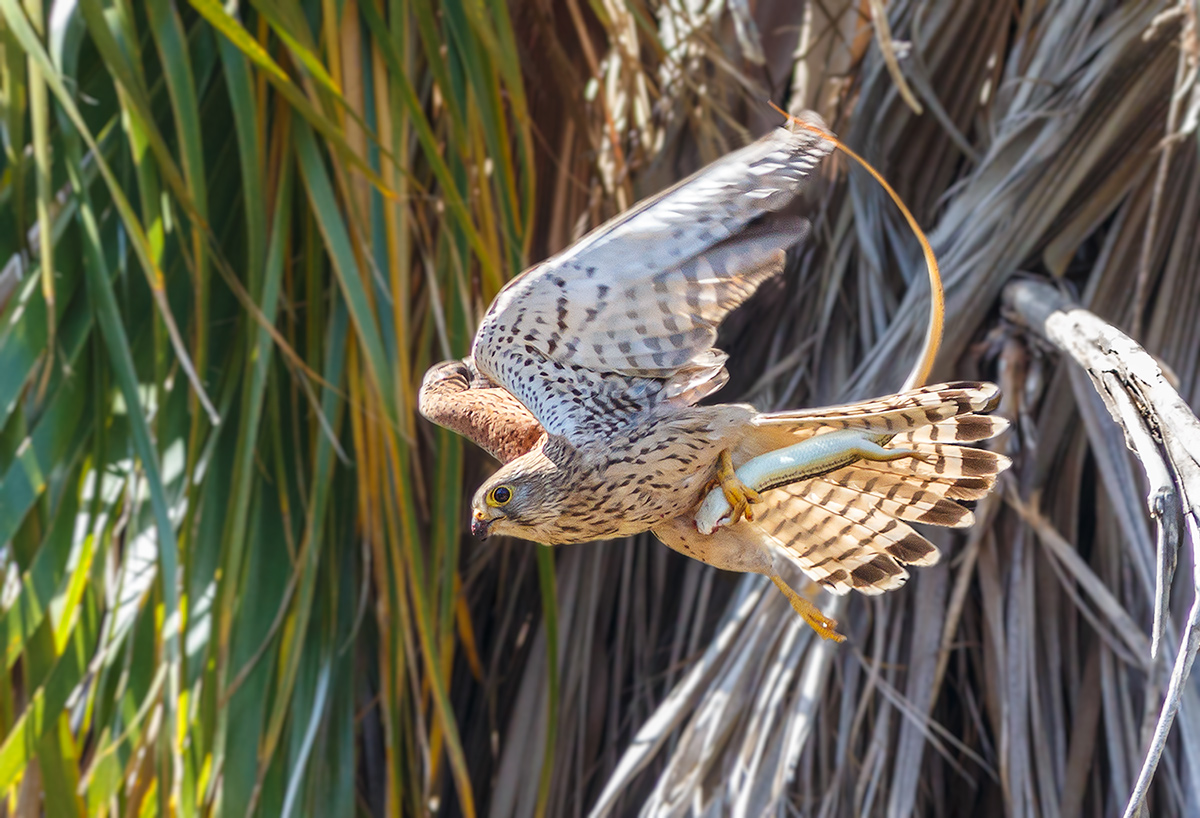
(480, 526)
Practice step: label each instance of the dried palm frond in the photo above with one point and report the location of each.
(1015, 677)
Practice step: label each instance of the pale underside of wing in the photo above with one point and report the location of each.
(626, 318)
(896, 413)
(948, 411)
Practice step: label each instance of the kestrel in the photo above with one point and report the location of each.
(584, 379)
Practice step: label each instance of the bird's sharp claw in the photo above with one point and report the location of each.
(825, 626)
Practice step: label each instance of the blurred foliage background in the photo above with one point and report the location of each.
(234, 235)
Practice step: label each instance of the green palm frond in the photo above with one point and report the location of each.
(239, 238)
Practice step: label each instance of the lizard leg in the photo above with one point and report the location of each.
(825, 627)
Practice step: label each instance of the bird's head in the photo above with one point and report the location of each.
(523, 499)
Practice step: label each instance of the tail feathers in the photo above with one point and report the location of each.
(844, 542)
(968, 428)
(954, 482)
(903, 496)
(849, 529)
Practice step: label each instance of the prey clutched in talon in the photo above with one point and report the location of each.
(739, 495)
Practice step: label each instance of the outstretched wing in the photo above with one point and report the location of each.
(919, 408)
(848, 529)
(453, 396)
(626, 318)
(913, 409)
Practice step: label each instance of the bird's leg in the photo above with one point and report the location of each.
(825, 627)
(737, 493)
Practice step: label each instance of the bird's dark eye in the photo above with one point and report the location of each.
(499, 496)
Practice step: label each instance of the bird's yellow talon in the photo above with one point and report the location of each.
(825, 627)
(739, 495)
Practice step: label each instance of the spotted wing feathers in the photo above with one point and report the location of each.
(626, 318)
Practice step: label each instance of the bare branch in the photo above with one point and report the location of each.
(1165, 435)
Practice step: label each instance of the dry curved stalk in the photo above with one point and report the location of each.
(887, 47)
(1163, 432)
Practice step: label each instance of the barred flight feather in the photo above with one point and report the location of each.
(903, 496)
(957, 486)
(848, 529)
(842, 540)
(932, 410)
